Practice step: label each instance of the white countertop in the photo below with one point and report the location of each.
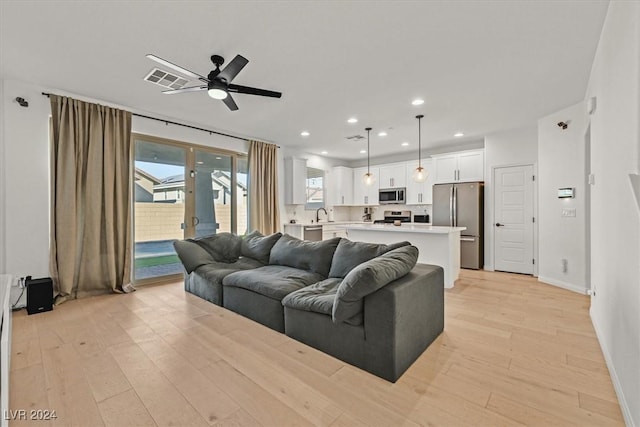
(307, 224)
(404, 228)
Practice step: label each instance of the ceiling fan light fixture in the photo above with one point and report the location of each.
(217, 93)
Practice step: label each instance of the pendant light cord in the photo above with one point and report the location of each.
(419, 117)
(368, 150)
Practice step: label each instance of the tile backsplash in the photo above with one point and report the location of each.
(348, 213)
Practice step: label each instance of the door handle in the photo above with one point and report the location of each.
(499, 225)
(195, 220)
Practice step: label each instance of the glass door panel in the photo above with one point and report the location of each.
(159, 208)
(214, 183)
(242, 211)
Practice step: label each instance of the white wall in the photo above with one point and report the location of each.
(26, 171)
(512, 147)
(561, 163)
(615, 216)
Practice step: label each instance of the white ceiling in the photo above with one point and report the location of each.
(480, 66)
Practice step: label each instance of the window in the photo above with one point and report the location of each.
(314, 188)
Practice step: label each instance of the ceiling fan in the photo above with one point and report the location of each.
(218, 82)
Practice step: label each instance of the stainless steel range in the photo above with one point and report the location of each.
(391, 216)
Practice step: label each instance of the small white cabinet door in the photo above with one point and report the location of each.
(420, 193)
(393, 176)
(295, 172)
(365, 195)
(446, 168)
(342, 186)
(471, 166)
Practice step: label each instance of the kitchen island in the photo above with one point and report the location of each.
(436, 245)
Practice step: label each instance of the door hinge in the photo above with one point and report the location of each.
(533, 261)
(533, 177)
(533, 219)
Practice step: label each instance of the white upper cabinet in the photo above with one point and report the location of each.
(295, 172)
(393, 176)
(341, 186)
(365, 195)
(464, 166)
(419, 193)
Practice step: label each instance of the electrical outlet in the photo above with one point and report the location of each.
(569, 212)
(564, 265)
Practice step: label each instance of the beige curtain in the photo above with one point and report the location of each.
(90, 198)
(264, 214)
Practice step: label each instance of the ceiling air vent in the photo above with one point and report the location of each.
(354, 137)
(166, 79)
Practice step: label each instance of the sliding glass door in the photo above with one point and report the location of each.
(182, 191)
(159, 208)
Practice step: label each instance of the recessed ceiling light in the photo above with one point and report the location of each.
(305, 133)
(417, 101)
(363, 151)
(404, 144)
(458, 135)
(323, 152)
(218, 158)
(200, 163)
(383, 133)
(352, 120)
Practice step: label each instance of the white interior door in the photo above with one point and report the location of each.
(513, 213)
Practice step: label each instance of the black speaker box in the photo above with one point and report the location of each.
(39, 295)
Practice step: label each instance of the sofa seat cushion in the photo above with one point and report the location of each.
(370, 276)
(318, 297)
(303, 254)
(350, 254)
(216, 271)
(273, 281)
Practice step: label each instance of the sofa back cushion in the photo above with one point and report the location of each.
(258, 246)
(303, 254)
(221, 247)
(351, 254)
(368, 278)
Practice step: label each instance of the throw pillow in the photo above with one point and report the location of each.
(258, 246)
(303, 254)
(351, 254)
(368, 278)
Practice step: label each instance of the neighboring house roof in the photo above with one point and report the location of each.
(139, 173)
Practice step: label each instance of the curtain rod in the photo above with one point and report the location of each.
(180, 124)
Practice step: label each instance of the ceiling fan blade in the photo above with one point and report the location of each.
(184, 89)
(230, 103)
(253, 91)
(176, 67)
(233, 68)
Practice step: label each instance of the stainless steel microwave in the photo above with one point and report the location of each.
(392, 196)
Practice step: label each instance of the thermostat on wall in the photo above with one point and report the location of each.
(566, 193)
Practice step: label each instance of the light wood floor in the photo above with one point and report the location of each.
(514, 351)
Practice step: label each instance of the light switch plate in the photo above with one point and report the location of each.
(569, 212)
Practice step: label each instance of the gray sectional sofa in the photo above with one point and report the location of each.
(367, 304)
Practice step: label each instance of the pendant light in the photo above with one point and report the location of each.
(368, 177)
(420, 174)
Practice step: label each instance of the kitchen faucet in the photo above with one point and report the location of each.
(318, 213)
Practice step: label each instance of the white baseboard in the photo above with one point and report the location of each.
(564, 285)
(488, 268)
(624, 406)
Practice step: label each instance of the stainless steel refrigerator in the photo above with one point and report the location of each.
(462, 205)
